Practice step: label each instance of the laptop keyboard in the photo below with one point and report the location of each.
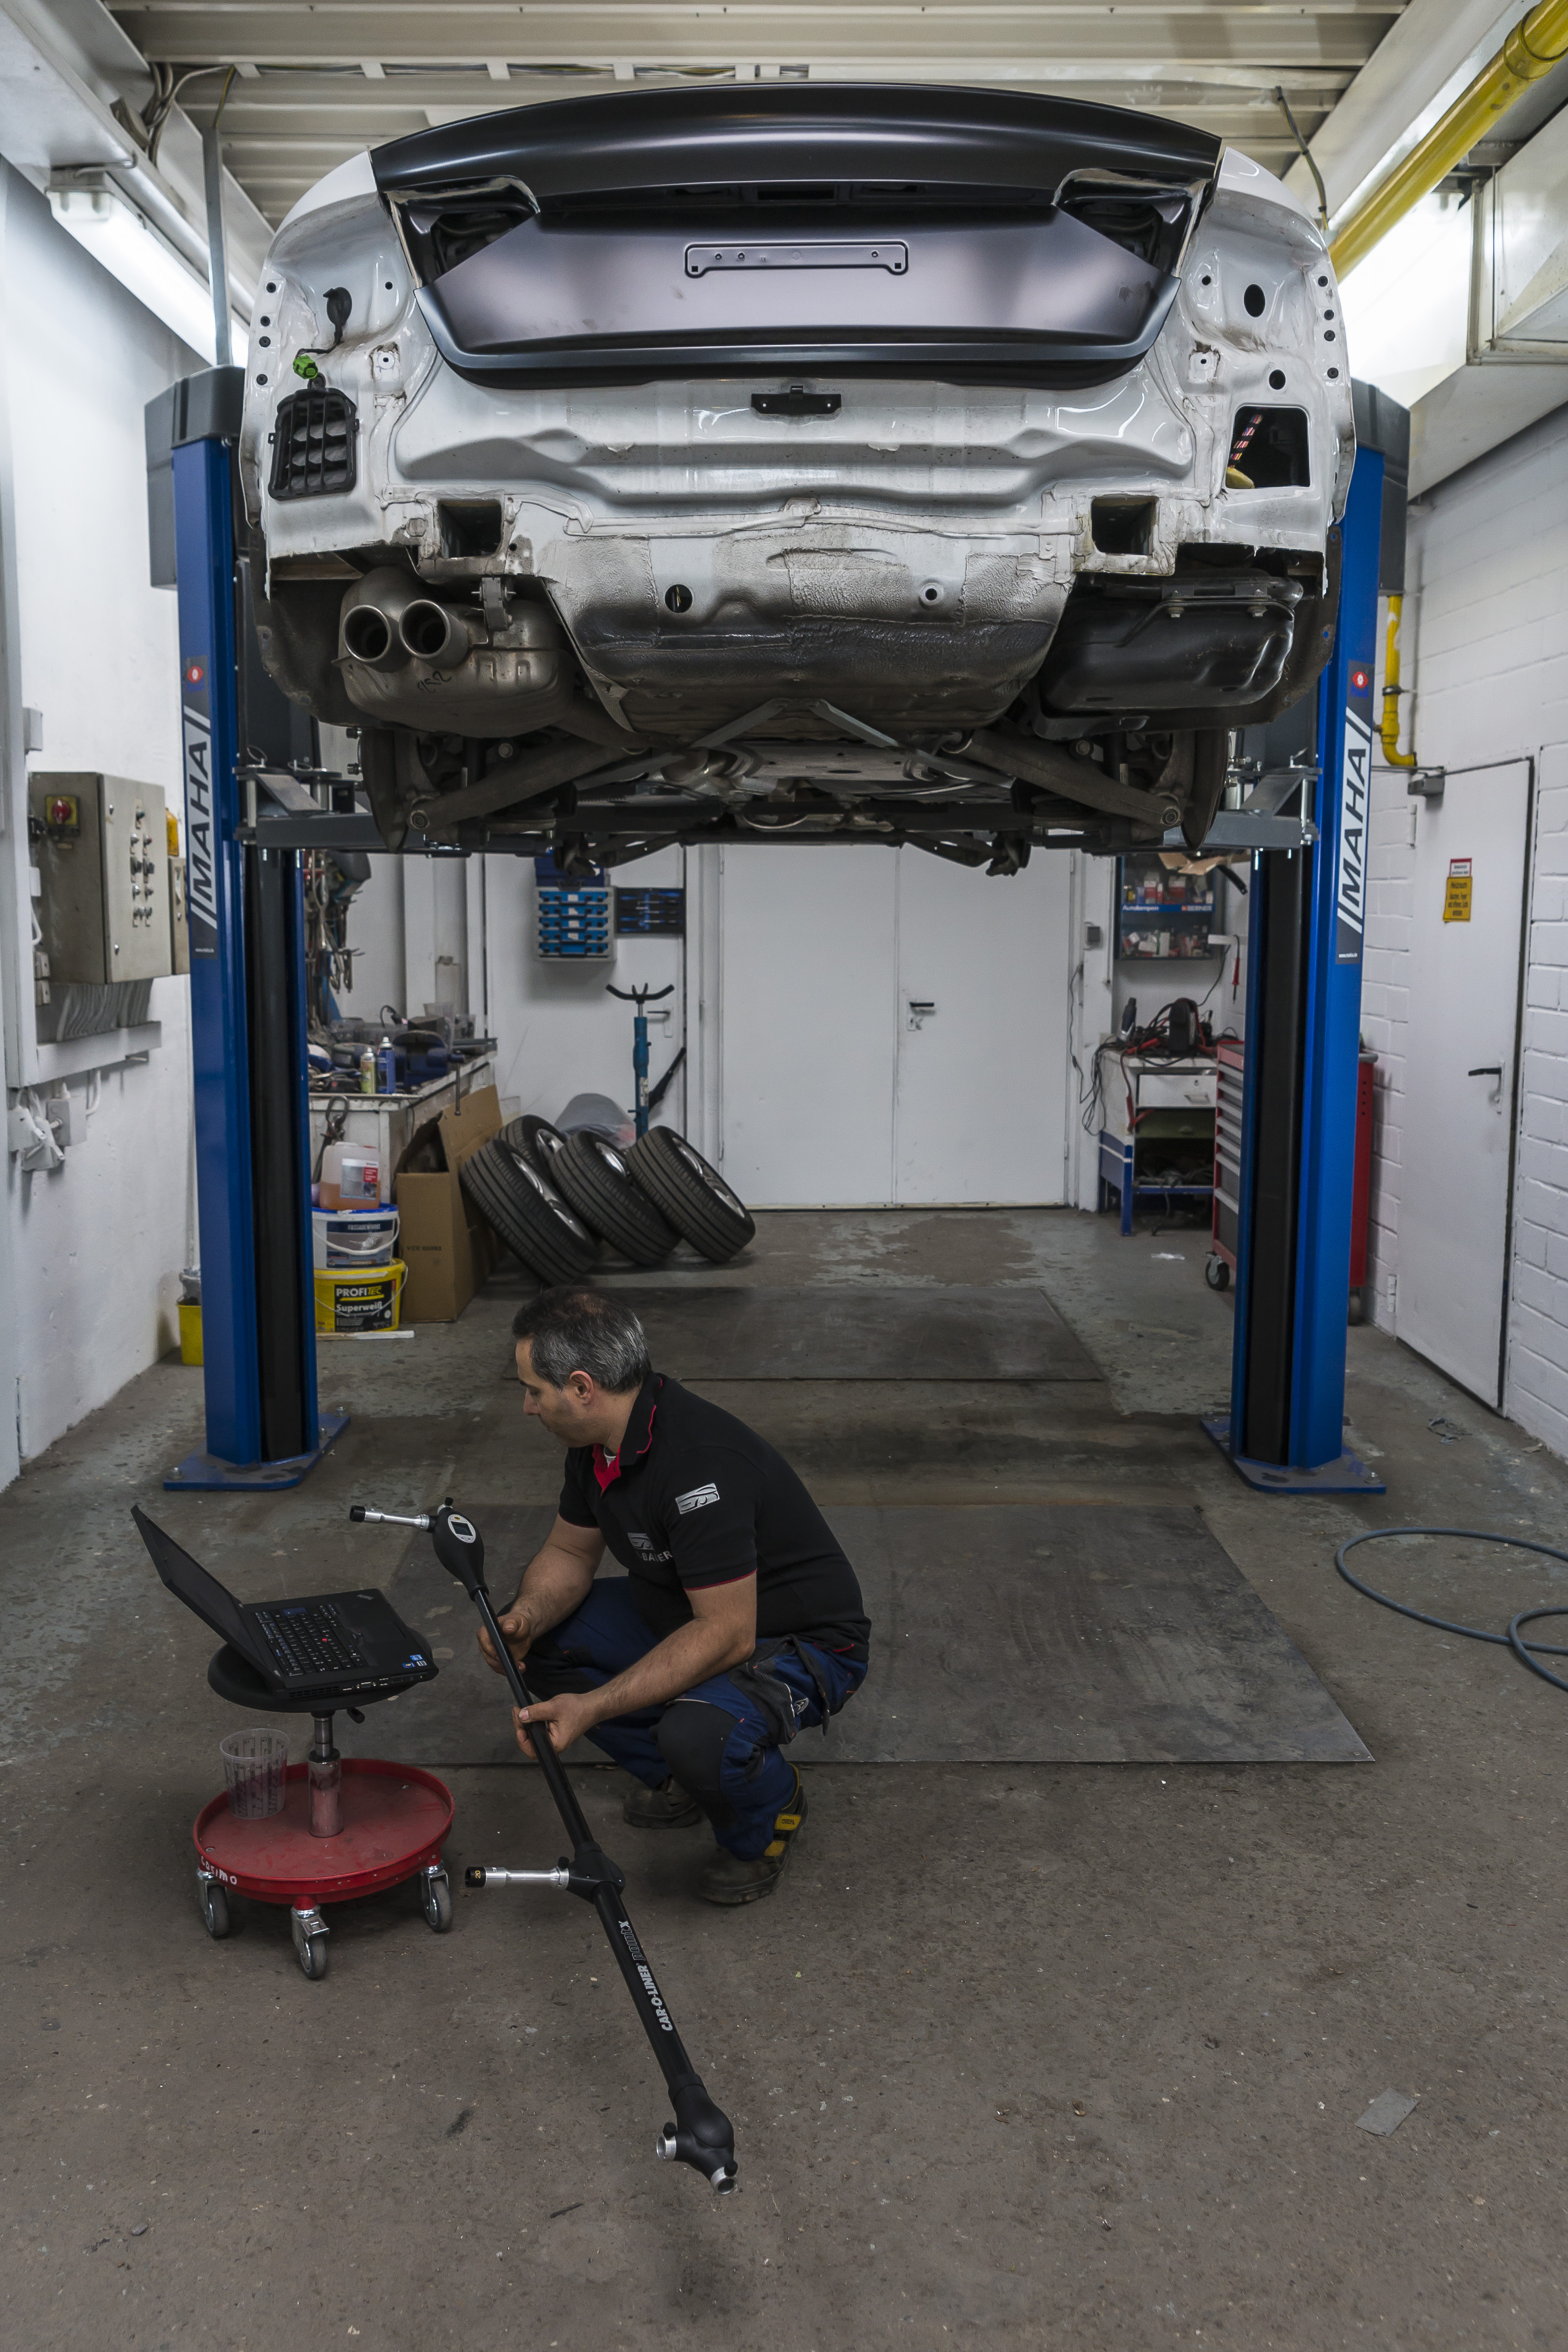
(312, 1640)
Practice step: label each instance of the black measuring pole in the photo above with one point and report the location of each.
(701, 2135)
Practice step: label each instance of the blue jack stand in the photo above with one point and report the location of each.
(1284, 1431)
(641, 998)
(245, 909)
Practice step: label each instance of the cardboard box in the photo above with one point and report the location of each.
(445, 1243)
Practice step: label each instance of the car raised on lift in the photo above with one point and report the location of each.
(836, 463)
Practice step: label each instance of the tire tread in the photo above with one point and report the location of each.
(699, 1214)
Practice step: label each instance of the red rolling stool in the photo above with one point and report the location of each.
(348, 1826)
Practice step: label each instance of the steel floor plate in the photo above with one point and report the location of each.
(1001, 1633)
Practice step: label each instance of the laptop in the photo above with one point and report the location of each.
(332, 1644)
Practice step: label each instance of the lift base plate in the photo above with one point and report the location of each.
(1348, 1475)
(204, 1473)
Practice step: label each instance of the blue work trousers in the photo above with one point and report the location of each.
(721, 1738)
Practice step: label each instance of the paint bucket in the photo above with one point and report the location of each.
(354, 1236)
(358, 1298)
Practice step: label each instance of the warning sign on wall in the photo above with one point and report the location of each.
(1456, 896)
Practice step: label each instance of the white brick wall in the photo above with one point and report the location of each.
(1489, 562)
(1385, 1000)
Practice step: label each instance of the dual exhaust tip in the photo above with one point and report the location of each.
(388, 620)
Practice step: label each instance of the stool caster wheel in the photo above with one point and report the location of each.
(310, 1942)
(436, 1897)
(214, 1906)
(1217, 1273)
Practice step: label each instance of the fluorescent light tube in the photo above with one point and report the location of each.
(104, 225)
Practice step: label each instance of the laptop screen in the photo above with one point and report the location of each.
(192, 1584)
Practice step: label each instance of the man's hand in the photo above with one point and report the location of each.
(518, 1631)
(557, 1580)
(566, 1719)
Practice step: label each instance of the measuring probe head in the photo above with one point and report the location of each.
(703, 2137)
(459, 1547)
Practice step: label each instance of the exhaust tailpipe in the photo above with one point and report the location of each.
(434, 633)
(372, 611)
(389, 619)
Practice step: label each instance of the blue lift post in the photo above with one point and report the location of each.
(264, 1429)
(1284, 1432)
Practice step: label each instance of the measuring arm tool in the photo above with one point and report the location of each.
(701, 2135)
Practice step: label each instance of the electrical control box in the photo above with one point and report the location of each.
(102, 850)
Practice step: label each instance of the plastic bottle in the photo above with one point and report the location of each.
(367, 1072)
(359, 1179)
(386, 1060)
(350, 1177)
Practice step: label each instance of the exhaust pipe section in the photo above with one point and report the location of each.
(434, 633)
(389, 619)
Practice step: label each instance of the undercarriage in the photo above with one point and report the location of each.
(975, 508)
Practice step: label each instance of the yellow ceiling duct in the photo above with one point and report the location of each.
(1536, 44)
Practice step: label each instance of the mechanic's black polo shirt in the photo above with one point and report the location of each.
(696, 1498)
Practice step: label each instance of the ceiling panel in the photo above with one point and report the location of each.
(313, 83)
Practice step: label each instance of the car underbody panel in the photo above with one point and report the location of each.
(874, 463)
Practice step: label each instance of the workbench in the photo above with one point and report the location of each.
(1152, 1103)
(385, 1124)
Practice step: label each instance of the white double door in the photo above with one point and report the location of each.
(1461, 1106)
(894, 1028)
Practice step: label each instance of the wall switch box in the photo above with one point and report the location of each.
(179, 922)
(101, 845)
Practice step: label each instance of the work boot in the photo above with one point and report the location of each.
(727, 1879)
(664, 1808)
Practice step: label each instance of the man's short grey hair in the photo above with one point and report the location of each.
(571, 1330)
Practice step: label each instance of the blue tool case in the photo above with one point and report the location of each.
(574, 921)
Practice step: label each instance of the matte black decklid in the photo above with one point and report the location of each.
(787, 131)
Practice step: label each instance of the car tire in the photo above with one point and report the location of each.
(524, 1135)
(523, 1211)
(594, 1177)
(692, 1195)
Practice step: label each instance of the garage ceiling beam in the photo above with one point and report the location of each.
(317, 82)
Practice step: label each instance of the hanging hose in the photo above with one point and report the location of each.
(1529, 1654)
(1388, 730)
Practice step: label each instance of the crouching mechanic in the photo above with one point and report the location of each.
(739, 1622)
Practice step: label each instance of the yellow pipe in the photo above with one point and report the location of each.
(1535, 45)
(1389, 731)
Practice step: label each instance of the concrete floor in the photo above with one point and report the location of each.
(1038, 2056)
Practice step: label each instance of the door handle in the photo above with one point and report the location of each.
(1487, 1070)
(919, 1011)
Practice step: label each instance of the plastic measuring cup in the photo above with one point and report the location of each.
(254, 1765)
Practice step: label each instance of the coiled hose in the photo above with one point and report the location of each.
(1529, 1654)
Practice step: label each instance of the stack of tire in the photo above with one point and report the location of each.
(553, 1200)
